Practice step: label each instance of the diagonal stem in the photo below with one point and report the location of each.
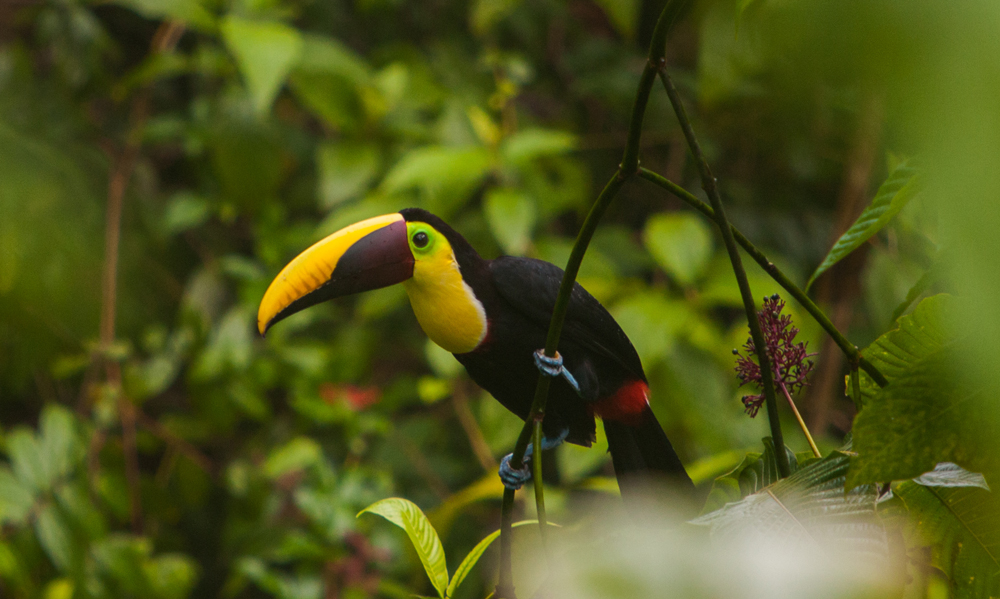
(802, 423)
(536, 467)
(849, 349)
(628, 167)
(708, 182)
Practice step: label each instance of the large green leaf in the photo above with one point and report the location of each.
(915, 337)
(962, 525)
(681, 243)
(56, 538)
(511, 216)
(331, 80)
(406, 515)
(445, 175)
(298, 454)
(265, 52)
(899, 188)
(345, 170)
(330, 97)
(527, 145)
(928, 413)
(40, 460)
(326, 54)
(57, 432)
(756, 471)
(808, 508)
(16, 499)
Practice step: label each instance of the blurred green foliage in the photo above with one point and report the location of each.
(263, 125)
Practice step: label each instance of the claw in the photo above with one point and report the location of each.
(513, 479)
(553, 367)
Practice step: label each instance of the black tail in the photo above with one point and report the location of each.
(642, 453)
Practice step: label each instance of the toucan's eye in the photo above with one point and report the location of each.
(420, 239)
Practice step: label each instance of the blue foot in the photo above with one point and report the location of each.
(514, 479)
(554, 367)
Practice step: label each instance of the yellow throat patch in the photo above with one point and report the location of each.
(445, 305)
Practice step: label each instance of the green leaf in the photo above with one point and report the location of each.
(298, 454)
(808, 508)
(926, 415)
(230, 346)
(171, 575)
(55, 537)
(185, 210)
(16, 499)
(121, 558)
(330, 97)
(345, 170)
(325, 54)
(899, 188)
(57, 432)
(916, 336)
(511, 216)
(756, 471)
(26, 459)
(473, 556)
(445, 175)
(654, 322)
(681, 243)
(623, 14)
(406, 515)
(265, 52)
(528, 145)
(931, 276)
(947, 474)
(962, 525)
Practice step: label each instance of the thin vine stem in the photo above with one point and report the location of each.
(802, 423)
(708, 182)
(536, 467)
(849, 349)
(628, 167)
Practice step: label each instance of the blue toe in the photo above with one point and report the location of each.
(513, 479)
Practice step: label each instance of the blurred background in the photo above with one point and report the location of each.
(157, 447)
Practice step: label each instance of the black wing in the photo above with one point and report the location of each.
(530, 286)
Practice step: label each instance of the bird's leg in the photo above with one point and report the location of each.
(554, 367)
(513, 479)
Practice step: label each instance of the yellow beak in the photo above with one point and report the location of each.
(368, 255)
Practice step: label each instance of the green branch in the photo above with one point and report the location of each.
(850, 350)
(628, 167)
(708, 182)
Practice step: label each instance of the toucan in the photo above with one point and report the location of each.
(493, 315)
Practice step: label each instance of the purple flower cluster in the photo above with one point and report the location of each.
(789, 360)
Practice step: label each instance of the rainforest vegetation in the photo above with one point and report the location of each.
(824, 171)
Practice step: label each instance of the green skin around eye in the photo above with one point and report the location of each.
(428, 245)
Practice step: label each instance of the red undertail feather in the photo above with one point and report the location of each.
(626, 406)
